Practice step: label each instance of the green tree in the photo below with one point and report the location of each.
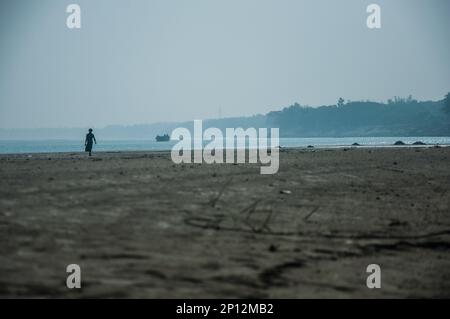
(446, 107)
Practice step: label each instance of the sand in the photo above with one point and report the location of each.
(140, 226)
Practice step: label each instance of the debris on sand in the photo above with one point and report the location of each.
(310, 146)
(399, 143)
(286, 192)
(273, 248)
(397, 223)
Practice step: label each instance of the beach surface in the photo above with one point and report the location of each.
(141, 226)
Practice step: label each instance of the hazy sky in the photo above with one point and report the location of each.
(146, 61)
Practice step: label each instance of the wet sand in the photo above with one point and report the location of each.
(141, 226)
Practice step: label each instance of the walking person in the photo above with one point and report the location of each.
(90, 138)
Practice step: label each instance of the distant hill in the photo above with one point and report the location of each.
(398, 117)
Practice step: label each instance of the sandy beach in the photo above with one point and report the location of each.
(140, 226)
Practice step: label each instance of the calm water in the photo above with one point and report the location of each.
(45, 146)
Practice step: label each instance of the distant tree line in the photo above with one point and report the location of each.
(446, 102)
(397, 117)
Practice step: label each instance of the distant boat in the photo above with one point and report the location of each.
(164, 138)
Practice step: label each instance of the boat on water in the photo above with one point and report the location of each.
(163, 138)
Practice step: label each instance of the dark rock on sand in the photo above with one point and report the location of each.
(419, 143)
(399, 143)
(397, 223)
(356, 144)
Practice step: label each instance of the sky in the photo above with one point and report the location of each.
(146, 61)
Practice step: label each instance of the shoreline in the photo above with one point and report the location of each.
(281, 148)
(148, 145)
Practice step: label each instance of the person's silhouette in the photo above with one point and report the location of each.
(90, 138)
